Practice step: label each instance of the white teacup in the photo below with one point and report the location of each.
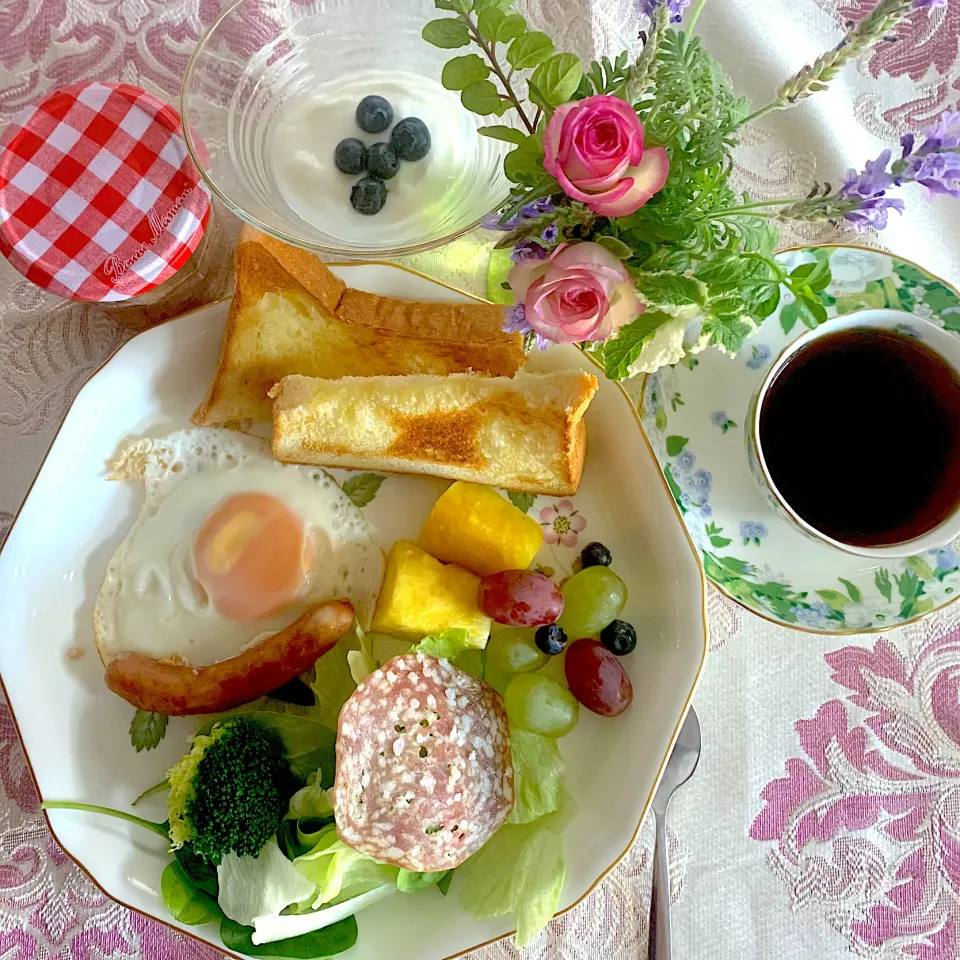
(947, 345)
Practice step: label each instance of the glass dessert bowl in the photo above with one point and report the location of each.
(269, 94)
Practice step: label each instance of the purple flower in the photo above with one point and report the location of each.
(907, 141)
(491, 221)
(537, 208)
(551, 233)
(922, 4)
(938, 172)
(647, 8)
(872, 213)
(947, 131)
(515, 320)
(528, 250)
(871, 182)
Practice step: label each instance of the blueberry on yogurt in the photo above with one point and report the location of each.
(368, 195)
(411, 139)
(374, 114)
(350, 156)
(382, 161)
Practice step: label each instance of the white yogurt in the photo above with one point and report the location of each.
(310, 126)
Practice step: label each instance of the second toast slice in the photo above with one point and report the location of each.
(524, 433)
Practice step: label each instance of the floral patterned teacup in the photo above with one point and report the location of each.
(944, 343)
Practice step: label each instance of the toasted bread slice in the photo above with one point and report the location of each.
(290, 314)
(525, 433)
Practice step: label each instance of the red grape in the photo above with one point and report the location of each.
(597, 678)
(520, 598)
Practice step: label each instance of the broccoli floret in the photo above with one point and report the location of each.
(231, 791)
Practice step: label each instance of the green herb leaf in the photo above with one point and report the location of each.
(482, 97)
(798, 310)
(668, 288)
(675, 444)
(446, 33)
(726, 328)
(619, 353)
(460, 72)
(501, 132)
(522, 501)
(362, 488)
(558, 77)
(617, 247)
(765, 307)
(147, 729)
(498, 26)
(524, 164)
(815, 275)
(327, 942)
(184, 899)
(529, 49)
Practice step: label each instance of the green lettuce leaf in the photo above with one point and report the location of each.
(310, 801)
(340, 873)
(332, 684)
(262, 886)
(362, 662)
(538, 775)
(410, 882)
(520, 870)
(447, 645)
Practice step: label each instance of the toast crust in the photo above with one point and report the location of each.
(340, 332)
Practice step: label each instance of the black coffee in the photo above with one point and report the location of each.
(861, 434)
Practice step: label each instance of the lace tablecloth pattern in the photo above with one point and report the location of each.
(824, 819)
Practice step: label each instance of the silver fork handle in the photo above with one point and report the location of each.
(659, 944)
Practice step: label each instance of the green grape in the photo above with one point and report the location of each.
(593, 599)
(541, 705)
(513, 649)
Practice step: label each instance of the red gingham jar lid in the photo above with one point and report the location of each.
(99, 199)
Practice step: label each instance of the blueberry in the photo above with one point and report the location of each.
(595, 555)
(374, 114)
(382, 161)
(350, 156)
(368, 195)
(550, 639)
(619, 637)
(411, 139)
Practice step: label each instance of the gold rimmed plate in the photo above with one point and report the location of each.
(75, 731)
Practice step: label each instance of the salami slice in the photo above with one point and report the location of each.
(424, 775)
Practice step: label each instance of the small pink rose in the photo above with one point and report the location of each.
(594, 148)
(582, 292)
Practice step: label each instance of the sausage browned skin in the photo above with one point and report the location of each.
(178, 690)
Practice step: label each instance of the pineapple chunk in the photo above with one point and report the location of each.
(474, 526)
(421, 596)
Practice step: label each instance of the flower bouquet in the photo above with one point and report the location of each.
(626, 236)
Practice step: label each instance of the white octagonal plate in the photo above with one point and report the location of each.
(76, 732)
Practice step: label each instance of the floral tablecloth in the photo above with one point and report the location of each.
(824, 818)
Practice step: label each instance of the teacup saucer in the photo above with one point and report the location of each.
(695, 414)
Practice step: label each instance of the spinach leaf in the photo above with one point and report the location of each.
(327, 942)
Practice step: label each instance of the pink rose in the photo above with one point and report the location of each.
(582, 292)
(594, 148)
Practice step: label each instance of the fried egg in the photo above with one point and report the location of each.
(230, 546)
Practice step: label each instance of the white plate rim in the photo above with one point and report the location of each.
(346, 264)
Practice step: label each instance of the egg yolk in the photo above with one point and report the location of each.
(251, 556)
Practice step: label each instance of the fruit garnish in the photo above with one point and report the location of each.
(619, 638)
(595, 554)
(411, 139)
(597, 678)
(520, 598)
(513, 649)
(368, 195)
(593, 598)
(541, 705)
(374, 114)
(350, 156)
(551, 639)
(382, 160)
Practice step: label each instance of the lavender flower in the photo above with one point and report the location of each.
(936, 163)
(872, 182)
(647, 8)
(872, 214)
(515, 320)
(528, 250)
(938, 172)
(491, 221)
(537, 208)
(551, 233)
